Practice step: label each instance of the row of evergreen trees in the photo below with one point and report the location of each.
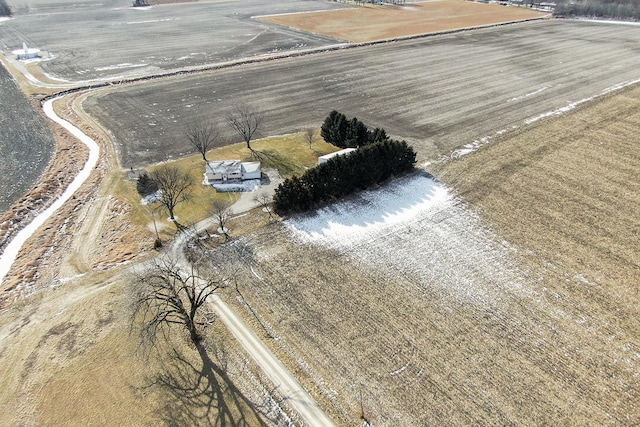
(612, 9)
(343, 175)
(345, 133)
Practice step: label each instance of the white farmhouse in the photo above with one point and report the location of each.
(231, 170)
(323, 159)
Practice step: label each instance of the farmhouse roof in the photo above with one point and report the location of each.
(224, 166)
(250, 167)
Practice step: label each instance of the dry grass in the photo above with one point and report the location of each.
(378, 23)
(69, 357)
(290, 154)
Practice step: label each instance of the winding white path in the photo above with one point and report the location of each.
(8, 257)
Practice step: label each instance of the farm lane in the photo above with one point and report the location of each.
(286, 383)
(438, 93)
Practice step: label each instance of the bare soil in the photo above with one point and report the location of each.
(388, 22)
(438, 93)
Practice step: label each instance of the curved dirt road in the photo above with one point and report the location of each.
(13, 248)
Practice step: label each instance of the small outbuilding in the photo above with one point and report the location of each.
(323, 159)
(26, 52)
(231, 171)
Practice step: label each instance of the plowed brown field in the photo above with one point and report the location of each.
(438, 93)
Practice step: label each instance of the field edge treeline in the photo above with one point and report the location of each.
(344, 174)
(623, 9)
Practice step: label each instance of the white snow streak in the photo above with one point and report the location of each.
(527, 95)
(13, 248)
(476, 144)
(572, 105)
(120, 66)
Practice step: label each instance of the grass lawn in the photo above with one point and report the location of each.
(289, 154)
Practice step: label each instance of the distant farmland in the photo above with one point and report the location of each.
(367, 24)
(438, 93)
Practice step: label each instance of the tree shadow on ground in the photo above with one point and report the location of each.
(275, 160)
(201, 393)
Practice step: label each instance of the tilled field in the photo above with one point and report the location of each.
(511, 300)
(439, 92)
(89, 41)
(26, 143)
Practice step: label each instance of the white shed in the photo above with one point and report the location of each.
(323, 159)
(26, 52)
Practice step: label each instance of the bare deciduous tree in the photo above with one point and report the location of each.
(245, 122)
(309, 136)
(264, 200)
(175, 187)
(220, 209)
(204, 138)
(165, 295)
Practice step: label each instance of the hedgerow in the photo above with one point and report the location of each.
(344, 175)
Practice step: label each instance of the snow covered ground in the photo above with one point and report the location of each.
(414, 227)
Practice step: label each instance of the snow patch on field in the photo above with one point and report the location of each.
(150, 21)
(415, 228)
(120, 66)
(572, 105)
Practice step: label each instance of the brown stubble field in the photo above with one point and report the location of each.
(388, 21)
(528, 314)
(569, 192)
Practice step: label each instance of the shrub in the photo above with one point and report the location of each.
(146, 185)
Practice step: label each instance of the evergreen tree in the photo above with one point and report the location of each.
(378, 135)
(146, 185)
(357, 134)
(326, 130)
(342, 175)
(5, 10)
